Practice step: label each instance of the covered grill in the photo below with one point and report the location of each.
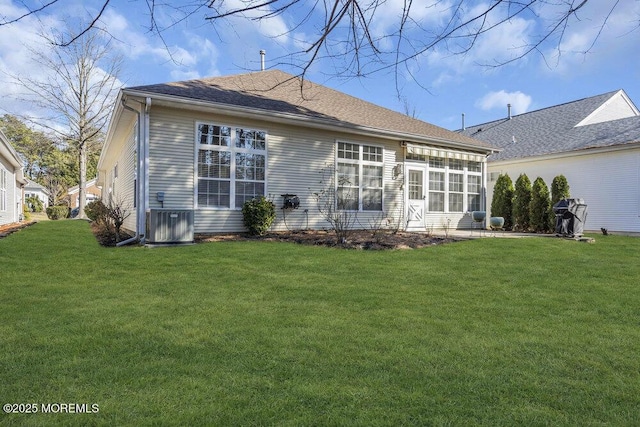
(571, 214)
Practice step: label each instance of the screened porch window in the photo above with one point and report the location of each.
(454, 182)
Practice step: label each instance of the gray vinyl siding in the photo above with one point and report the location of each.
(171, 158)
(120, 189)
(295, 158)
(10, 214)
(126, 175)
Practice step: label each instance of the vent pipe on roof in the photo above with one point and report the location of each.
(463, 127)
(262, 53)
(509, 111)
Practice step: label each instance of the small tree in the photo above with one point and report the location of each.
(521, 202)
(336, 203)
(35, 204)
(117, 214)
(559, 189)
(502, 202)
(540, 207)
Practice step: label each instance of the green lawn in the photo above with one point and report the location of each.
(537, 331)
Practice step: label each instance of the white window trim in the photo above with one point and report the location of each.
(3, 189)
(447, 170)
(232, 175)
(360, 162)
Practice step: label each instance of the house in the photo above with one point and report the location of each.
(594, 142)
(11, 182)
(199, 149)
(93, 192)
(33, 189)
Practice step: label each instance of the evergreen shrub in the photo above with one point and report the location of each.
(258, 215)
(540, 211)
(57, 212)
(559, 189)
(502, 202)
(521, 201)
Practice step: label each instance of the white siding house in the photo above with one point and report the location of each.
(209, 145)
(11, 182)
(594, 142)
(33, 189)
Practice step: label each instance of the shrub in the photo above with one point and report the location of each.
(559, 189)
(521, 201)
(258, 215)
(35, 204)
(97, 212)
(540, 207)
(117, 213)
(57, 212)
(26, 213)
(502, 202)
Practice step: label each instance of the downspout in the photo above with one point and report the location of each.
(142, 172)
(144, 165)
(137, 236)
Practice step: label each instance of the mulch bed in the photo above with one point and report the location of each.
(7, 229)
(106, 237)
(358, 239)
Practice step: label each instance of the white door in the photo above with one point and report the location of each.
(416, 197)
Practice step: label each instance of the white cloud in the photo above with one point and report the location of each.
(386, 18)
(577, 47)
(519, 101)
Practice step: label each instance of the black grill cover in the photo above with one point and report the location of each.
(571, 214)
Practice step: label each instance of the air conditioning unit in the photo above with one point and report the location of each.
(169, 226)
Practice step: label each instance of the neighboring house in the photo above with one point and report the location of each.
(207, 146)
(594, 142)
(33, 189)
(11, 182)
(93, 192)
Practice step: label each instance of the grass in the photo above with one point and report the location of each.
(484, 332)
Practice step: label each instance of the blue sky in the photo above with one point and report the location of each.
(448, 85)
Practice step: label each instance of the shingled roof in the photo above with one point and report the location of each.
(274, 91)
(557, 129)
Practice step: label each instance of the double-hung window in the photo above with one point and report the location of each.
(359, 178)
(436, 184)
(231, 165)
(474, 185)
(456, 185)
(3, 189)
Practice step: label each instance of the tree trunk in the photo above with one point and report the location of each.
(82, 184)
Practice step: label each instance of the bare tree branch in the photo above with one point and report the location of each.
(352, 38)
(79, 89)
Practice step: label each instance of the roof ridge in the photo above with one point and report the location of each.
(278, 92)
(608, 94)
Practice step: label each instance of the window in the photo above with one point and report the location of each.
(456, 191)
(455, 184)
(231, 165)
(474, 186)
(3, 190)
(359, 177)
(436, 184)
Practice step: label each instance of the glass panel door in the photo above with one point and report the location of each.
(416, 197)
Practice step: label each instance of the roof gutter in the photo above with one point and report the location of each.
(581, 152)
(294, 119)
